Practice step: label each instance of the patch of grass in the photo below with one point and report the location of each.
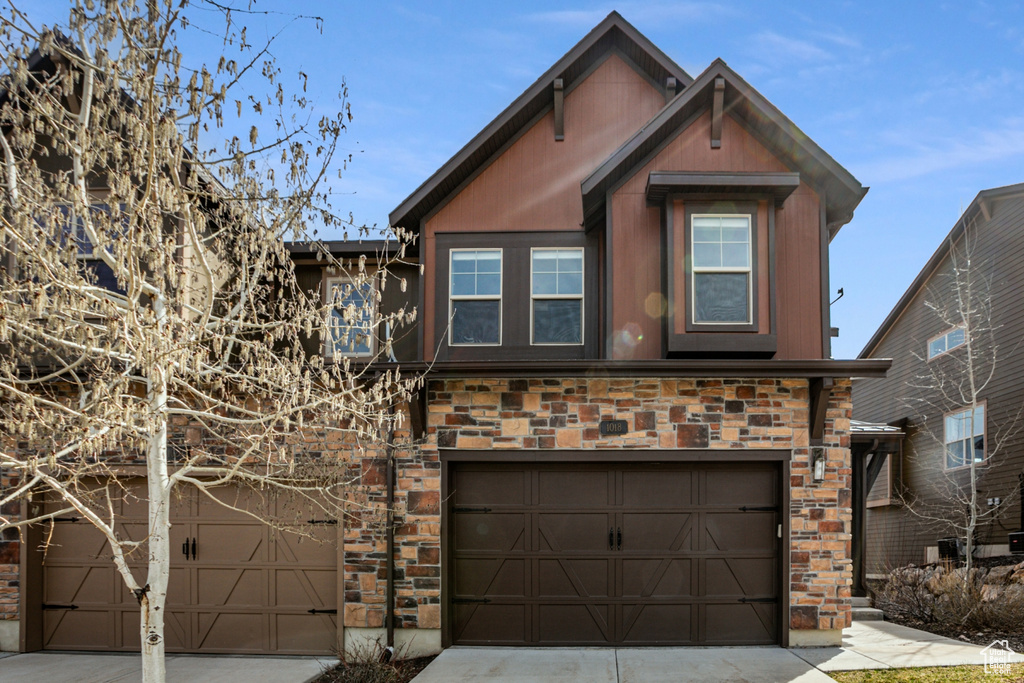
(934, 674)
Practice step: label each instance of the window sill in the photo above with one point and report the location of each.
(721, 344)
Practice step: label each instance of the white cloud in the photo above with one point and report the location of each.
(965, 149)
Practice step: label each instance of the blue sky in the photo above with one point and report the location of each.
(921, 101)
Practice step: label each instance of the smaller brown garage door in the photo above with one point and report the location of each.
(667, 554)
(241, 587)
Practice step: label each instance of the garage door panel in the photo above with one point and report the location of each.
(656, 531)
(81, 629)
(306, 588)
(219, 631)
(230, 587)
(740, 623)
(490, 577)
(573, 488)
(478, 623)
(574, 578)
(657, 487)
(751, 486)
(650, 624)
(741, 576)
(740, 531)
(574, 623)
(76, 540)
(657, 577)
(478, 531)
(81, 586)
(302, 633)
(231, 543)
(562, 532)
(501, 487)
(315, 546)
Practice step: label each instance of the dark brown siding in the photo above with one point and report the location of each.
(893, 535)
(636, 242)
(535, 183)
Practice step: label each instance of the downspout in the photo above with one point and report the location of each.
(389, 596)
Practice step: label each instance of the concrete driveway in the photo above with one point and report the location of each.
(58, 667)
(866, 645)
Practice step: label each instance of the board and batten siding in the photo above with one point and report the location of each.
(894, 536)
(534, 184)
(636, 241)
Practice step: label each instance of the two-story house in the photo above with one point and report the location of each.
(631, 431)
(939, 349)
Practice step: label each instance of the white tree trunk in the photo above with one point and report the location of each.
(154, 599)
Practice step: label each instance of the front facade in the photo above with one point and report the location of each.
(934, 345)
(631, 430)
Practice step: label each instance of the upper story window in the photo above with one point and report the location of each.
(946, 342)
(721, 270)
(556, 313)
(475, 297)
(964, 436)
(352, 317)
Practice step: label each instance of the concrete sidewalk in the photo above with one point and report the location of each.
(58, 667)
(866, 645)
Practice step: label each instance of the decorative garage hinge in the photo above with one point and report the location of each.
(66, 519)
(758, 600)
(463, 601)
(331, 522)
(766, 508)
(322, 611)
(471, 509)
(48, 606)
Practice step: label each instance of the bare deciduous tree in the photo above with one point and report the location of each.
(146, 282)
(947, 399)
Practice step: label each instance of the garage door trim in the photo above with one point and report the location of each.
(449, 457)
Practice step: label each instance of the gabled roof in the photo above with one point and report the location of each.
(770, 126)
(981, 204)
(612, 33)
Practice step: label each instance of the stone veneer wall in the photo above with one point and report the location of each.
(484, 414)
(10, 556)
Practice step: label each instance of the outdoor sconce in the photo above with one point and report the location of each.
(818, 463)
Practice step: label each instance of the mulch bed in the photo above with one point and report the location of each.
(399, 671)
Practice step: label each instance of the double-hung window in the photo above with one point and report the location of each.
(721, 288)
(946, 342)
(556, 296)
(964, 436)
(352, 317)
(475, 297)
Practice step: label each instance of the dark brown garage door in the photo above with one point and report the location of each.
(667, 554)
(241, 588)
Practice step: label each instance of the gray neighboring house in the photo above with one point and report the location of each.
(933, 450)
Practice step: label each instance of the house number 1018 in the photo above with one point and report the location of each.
(614, 427)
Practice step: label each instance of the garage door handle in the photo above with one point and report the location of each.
(611, 539)
(620, 537)
(193, 548)
(184, 548)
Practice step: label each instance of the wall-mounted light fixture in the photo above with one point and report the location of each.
(818, 463)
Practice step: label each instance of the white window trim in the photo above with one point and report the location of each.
(329, 282)
(984, 436)
(476, 297)
(749, 270)
(563, 297)
(928, 346)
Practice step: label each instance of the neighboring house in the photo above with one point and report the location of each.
(939, 439)
(631, 431)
